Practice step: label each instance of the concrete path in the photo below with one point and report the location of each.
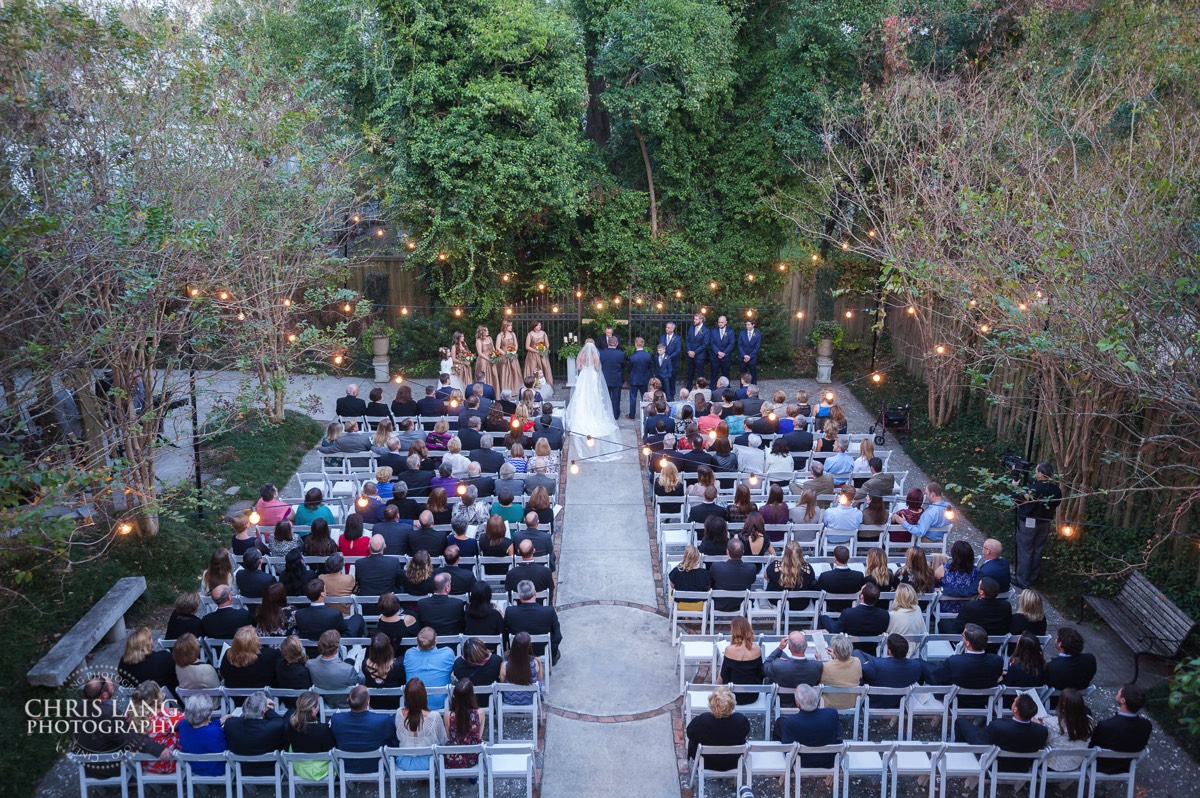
(614, 691)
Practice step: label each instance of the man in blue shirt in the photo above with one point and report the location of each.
(927, 527)
(841, 465)
(430, 664)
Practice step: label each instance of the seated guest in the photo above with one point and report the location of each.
(841, 465)
(248, 663)
(190, 672)
(715, 537)
(201, 733)
(542, 540)
(313, 508)
(725, 459)
(328, 670)
(732, 574)
(470, 510)
(296, 573)
(1018, 734)
(445, 480)
(478, 663)
(958, 578)
(974, 669)
(306, 733)
(876, 571)
(417, 725)
(1030, 615)
(370, 504)
(338, 583)
(1070, 729)
(462, 577)
(914, 507)
(905, 616)
(258, 730)
(154, 717)
(806, 509)
(350, 405)
(440, 611)
(775, 512)
(1126, 731)
(789, 665)
(429, 664)
(437, 439)
(361, 730)
(484, 486)
(184, 618)
(741, 506)
(425, 537)
(416, 479)
(380, 667)
(218, 572)
(320, 542)
(933, 519)
(536, 619)
(527, 569)
(668, 486)
(465, 724)
(720, 726)
(843, 518)
(224, 622)
(741, 661)
(995, 565)
(283, 540)
(704, 478)
(520, 667)
(1072, 667)
(700, 512)
(842, 670)
(825, 444)
(317, 618)
(916, 571)
(274, 618)
(291, 668)
(400, 627)
(252, 581)
(864, 619)
(494, 542)
(1026, 665)
(417, 576)
(900, 668)
(690, 576)
(141, 663)
(345, 438)
(269, 508)
(454, 457)
(403, 404)
(992, 613)
(791, 573)
(481, 616)
(431, 405)
(841, 579)
(813, 726)
(505, 508)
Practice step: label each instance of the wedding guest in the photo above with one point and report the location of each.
(537, 355)
(269, 508)
(484, 351)
(404, 405)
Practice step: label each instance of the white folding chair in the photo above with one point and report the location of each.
(1082, 758)
(509, 761)
(294, 779)
(962, 761)
(763, 704)
(877, 703)
(1028, 766)
(771, 759)
(805, 617)
(546, 656)
(765, 606)
(697, 650)
(396, 774)
(980, 703)
(677, 615)
(504, 710)
(853, 712)
(931, 701)
(348, 764)
(114, 761)
(701, 774)
(1129, 777)
(834, 772)
(144, 778)
(273, 779)
(914, 760)
(190, 760)
(476, 772)
(866, 761)
(726, 616)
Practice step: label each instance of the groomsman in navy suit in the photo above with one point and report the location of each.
(749, 342)
(664, 369)
(721, 345)
(612, 365)
(697, 340)
(670, 341)
(641, 366)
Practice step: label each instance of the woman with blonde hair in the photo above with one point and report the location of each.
(877, 570)
(668, 484)
(720, 726)
(308, 734)
(842, 670)
(439, 437)
(521, 420)
(742, 662)
(516, 458)
(141, 663)
(906, 617)
(383, 483)
(542, 449)
(690, 576)
(247, 664)
(826, 443)
(917, 571)
(866, 450)
(791, 573)
(383, 431)
(1030, 615)
(458, 462)
(153, 717)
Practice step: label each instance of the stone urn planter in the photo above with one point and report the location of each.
(380, 344)
(825, 347)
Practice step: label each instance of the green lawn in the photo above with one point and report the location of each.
(172, 561)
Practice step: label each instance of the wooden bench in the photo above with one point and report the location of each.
(104, 621)
(1145, 619)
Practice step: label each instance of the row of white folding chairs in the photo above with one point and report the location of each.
(514, 761)
(934, 765)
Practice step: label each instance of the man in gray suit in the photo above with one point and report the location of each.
(509, 482)
(787, 665)
(329, 671)
(538, 478)
(879, 484)
(351, 441)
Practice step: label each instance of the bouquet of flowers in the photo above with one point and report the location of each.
(466, 357)
(540, 347)
(510, 352)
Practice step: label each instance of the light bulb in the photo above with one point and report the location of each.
(461, 490)
(574, 467)
(337, 359)
(125, 528)
(287, 303)
(1038, 294)
(362, 502)
(291, 338)
(749, 314)
(241, 316)
(504, 277)
(579, 295)
(972, 303)
(590, 441)
(1022, 306)
(194, 291)
(458, 311)
(829, 397)
(1067, 530)
(753, 480)
(541, 286)
(658, 306)
(645, 451)
(912, 310)
(453, 403)
(662, 462)
(599, 306)
(750, 277)
(845, 245)
(703, 311)
(508, 311)
(799, 314)
(948, 515)
(849, 314)
(783, 266)
(638, 300)
(940, 349)
(397, 379)
(357, 218)
(404, 311)
(983, 328)
(516, 424)
(871, 233)
(379, 233)
(347, 307)
(843, 500)
(678, 294)
(712, 434)
(815, 258)
(254, 518)
(713, 285)
(442, 256)
(554, 309)
(411, 245)
(771, 416)
(224, 295)
(876, 377)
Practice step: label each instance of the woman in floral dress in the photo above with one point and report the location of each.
(536, 361)
(509, 375)
(483, 357)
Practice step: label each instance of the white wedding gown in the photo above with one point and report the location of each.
(590, 412)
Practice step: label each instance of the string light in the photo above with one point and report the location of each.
(703, 311)
(125, 527)
(845, 245)
(287, 303)
(940, 349)
(579, 295)
(458, 311)
(516, 424)
(461, 490)
(638, 300)
(645, 451)
(356, 218)
(753, 480)
(829, 397)
(379, 232)
(442, 256)
(783, 267)
(849, 314)
(749, 313)
(554, 309)
(541, 286)
(971, 304)
(678, 294)
(1038, 294)
(983, 328)
(241, 316)
(713, 285)
(291, 338)
(616, 300)
(1022, 307)
(362, 502)
(590, 441)
(404, 310)
(871, 232)
(347, 307)
(504, 277)
(658, 306)
(411, 245)
(750, 276)
(193, 291)
(815, 257)
(843, 500)
(949, 514)
(599, 306)
(912, 310)
(508, 311)
(574, 467)
(662, 462)
(1067, 530)
(397, 379)
(771, 416)
(453, 403)
(799, 314)
(337, 359)
(877, 378)
(712, 434)
(223, 296)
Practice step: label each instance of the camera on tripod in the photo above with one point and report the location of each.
(1019, 469)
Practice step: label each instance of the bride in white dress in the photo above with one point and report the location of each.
(590, 410)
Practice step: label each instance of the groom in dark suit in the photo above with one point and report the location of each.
(641, 363)
(749, 342)
(612, 366)
(697, 342)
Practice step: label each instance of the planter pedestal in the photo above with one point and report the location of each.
(824, 370)
(382, 368)
(570, 372)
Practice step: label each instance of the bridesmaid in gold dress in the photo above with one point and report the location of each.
(459, 349)
(509, 375)
(483, 357)
(538, 361)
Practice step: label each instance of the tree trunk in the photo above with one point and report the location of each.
(637, 131)
(599, 127)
